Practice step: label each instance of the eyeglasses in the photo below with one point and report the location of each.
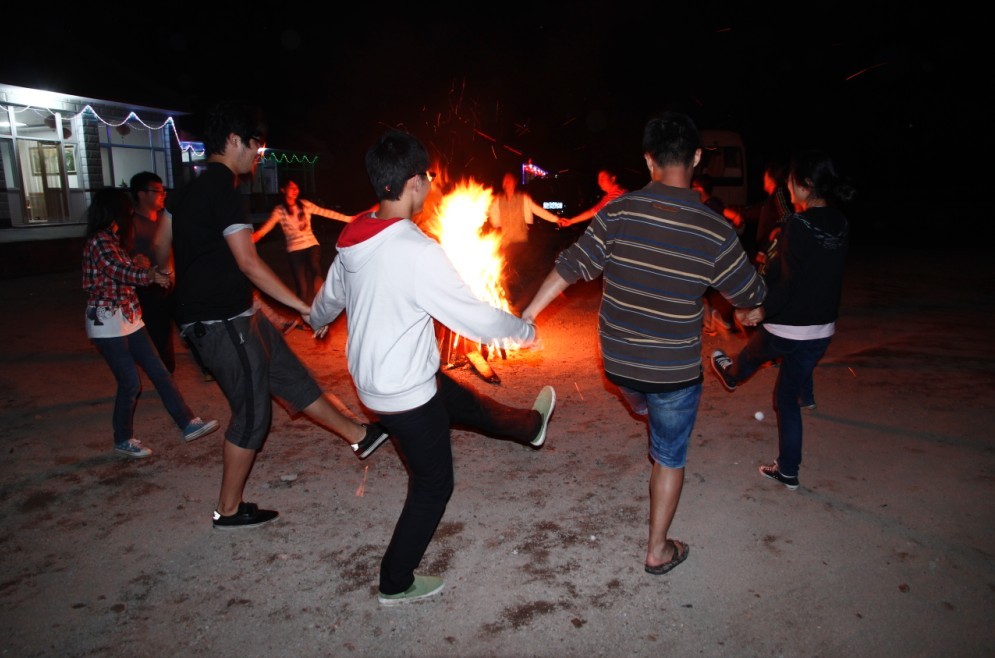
(429, 175)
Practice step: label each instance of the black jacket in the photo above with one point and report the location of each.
(805, 278)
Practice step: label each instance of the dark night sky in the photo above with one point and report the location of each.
(568, 85)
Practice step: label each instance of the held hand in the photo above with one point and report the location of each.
(320, 332)
(742, 316)
(563, 222)
(750, 317)
(160, 278)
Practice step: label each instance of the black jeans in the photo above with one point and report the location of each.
(424, 441)
(305, 268)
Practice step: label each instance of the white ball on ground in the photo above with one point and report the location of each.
(759, 415)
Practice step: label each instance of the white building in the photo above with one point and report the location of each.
(56, 149)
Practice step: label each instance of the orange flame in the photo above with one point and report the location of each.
(457, 222)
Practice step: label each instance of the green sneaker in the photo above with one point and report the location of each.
(422, 588)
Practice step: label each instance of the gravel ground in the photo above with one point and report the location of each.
(886, 549)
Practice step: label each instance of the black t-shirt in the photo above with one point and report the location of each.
(209, 284)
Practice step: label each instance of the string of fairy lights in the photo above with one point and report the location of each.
(196, 149)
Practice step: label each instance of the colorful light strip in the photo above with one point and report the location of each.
(192, 147)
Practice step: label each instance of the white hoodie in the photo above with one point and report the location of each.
(391, 285)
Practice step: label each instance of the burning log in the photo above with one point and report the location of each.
(456, 351)
(483, 369)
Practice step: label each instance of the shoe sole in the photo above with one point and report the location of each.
(541, 439)
(376, 444)
(245, 526)
(208, 427)
(389, 603)
(666, 567)
(133, 455)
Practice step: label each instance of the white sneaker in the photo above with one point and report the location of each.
(422, 588)
(544, 405)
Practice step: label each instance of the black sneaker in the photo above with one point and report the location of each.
(375, 436)
(248, 516)
(772, 472)
(721, 364)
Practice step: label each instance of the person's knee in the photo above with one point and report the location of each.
(670, 458)
(434, 490)
(125, 370)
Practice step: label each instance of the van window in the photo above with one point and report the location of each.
(723, 157)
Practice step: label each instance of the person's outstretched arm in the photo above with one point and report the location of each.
(542, 213)
(274, 219)
(551, 287)
(326, 212)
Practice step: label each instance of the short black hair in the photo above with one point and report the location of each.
(141, 180)
(229, 117)
(396, 157)
(671, 138)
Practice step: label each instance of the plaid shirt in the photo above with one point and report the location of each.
(110, 276)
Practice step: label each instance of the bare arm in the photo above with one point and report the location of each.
(329, 213)
(260, 232)
(584, 216)
(551, 287)
(541, 212)
(162, 243)
(260, 274)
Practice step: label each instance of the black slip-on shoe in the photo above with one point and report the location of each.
(248, 516)
(375, 436)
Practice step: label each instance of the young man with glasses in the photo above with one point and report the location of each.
(394, 281)
(217, 270)
(149, 197)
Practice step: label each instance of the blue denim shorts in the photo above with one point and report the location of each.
(671, 419)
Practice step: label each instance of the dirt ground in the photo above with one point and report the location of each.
(886, 549)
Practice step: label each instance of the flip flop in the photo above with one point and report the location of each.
(681, 551)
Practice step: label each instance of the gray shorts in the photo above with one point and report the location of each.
(252, 363)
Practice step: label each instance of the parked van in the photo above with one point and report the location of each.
(723, 157)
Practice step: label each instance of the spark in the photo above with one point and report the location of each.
(361, 490)
(578, 391)
(863, 71)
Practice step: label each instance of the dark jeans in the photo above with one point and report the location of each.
(124, 355)
(305, 267)
(798, 360)
(424, 442)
